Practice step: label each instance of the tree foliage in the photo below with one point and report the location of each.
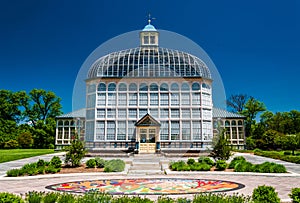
(32, 113)
(221, 150)
(75, 153)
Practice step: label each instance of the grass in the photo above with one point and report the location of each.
(15, 154)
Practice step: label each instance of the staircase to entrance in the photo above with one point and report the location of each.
(146, 164)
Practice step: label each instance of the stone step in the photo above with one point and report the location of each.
(145, 172)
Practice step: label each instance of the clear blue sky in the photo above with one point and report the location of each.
(254, 44)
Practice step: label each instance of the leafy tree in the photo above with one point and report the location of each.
(237, 102)
(290, 142)
(75, 152)
(25, 140)
(252, 108)
(221, 150)
(41, 105)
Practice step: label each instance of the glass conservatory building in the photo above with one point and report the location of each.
(148, 99)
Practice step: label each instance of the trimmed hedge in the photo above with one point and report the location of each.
(114, 165)
(277, 155)
(195, 166)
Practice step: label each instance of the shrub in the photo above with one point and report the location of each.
(51, 169)
(66, 198)
(100, 162)
(56, 162)
(94, 197)
(295, 195)
(206, 160)
(75, 153)
(221, 165)
(51, 197)
(6, 197)
(13, 172)
(221, 150)
(11, 144)
(41, 169)
(236, 160)
(40, 162)
(114, 165)
(25, 140)
(177, 166)
(34, 197)
(265, 194)
(278, 168)
(162, 199)
(243, 166)
(191, 161)
(91, 163)
(287, 153)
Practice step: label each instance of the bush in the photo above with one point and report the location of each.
(206, 160)
(221, 165)
(278, 168)
(34, 197)
(221, 150)
(66, 198)
(91, 163)
(25, 140)
(265, 194)
(75, 153)
(177, 166)
(94, 197)
(114, 165)
(6, 197)
(41, 162)
(243, 166)
(50, 197)
(295, 195)
(56, 162)
(11, 144)
(100, 162)
(51, 169)
(235, 161)
(12, 173)
(191, 161)
(287, 153)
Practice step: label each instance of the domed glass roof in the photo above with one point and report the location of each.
(149, 62)
(149, 27)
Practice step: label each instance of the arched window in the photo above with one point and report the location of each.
(132, 87)
(143, 87)
(60, 122)
(102, 87)
(195, 86)
(174, 87)
(122, 87)
(240, 122)
(72, 123)
(233, 123)
(112, 87)
(66, 122)
(206, 86)
(227, 123)
(185, 87)
(164, 87)
(153, 87)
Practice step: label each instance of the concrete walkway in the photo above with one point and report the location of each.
(283, 183)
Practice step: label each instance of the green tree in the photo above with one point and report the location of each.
(25, 140)
(290, 142)
(41, 105)
(75, 152)
(221, 150)
(252, 108)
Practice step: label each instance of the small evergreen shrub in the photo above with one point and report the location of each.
(191, 161)
(52, 169)
(295, 195)
(91, 163)
(265, 194)
(40, 163)
(221, 165)
(56, 162)
(94, 197)
(206, 160)
(114, 165)
(6, 197)
(66, 198)
(100, 162)
(236, 160)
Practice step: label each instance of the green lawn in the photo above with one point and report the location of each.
(15, 154)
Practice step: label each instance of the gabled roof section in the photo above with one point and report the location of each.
(147, 120)
(80, 113)
(221, 113)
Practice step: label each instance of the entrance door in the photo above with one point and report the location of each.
(147, 140)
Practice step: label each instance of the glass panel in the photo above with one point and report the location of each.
(175, 113)
(122, 113)
(142, 112)
(143, 101)
(121, 130)
(111, 130)
(175, 99)
(102, 87)
(111, 99)
(122, 99)
(164, 130)
(196, 130)
(164, 87)
(100, 113)
(164, 113)
(91, 88)
(164, 99)
(101, 99)
(196, 99)
(153, 99)
(175, 130)
(132, 113)
(122, 87)
(174, 87)
(112, 87)
(186, 113)
(195, 86)
(143, 87)
(100, 130)
(153, 87)
(186, 130)
(132, 87)
(185, 99)
(133, 99)
(185, 87)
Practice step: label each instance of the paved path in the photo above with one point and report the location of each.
(282, 183)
